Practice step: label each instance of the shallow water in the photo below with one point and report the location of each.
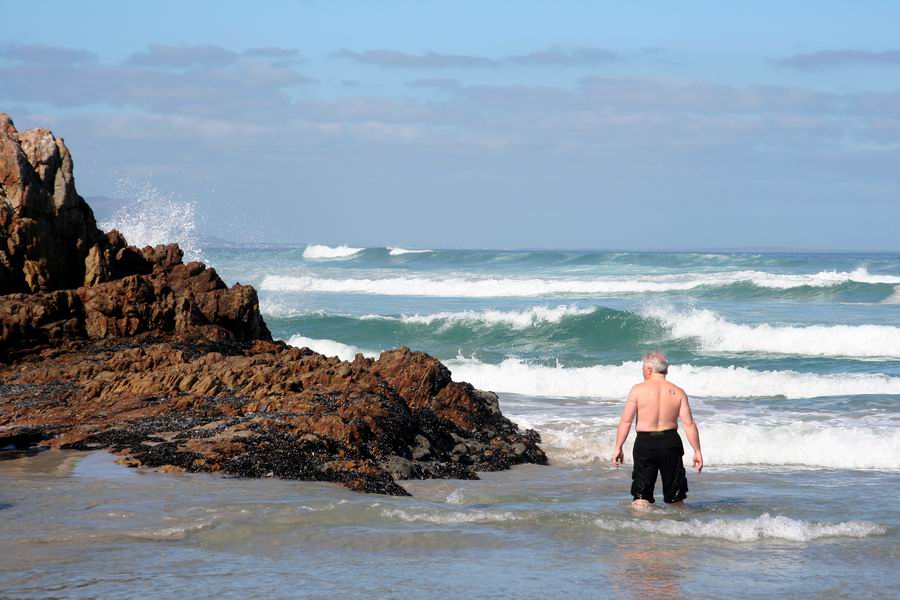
(76, 525)
(792, 362)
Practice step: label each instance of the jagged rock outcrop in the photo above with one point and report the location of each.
(46, 228)
(260, 409)
(61, 278)
(156, 292)
(107, 346)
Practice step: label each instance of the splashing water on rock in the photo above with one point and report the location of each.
(149, 216)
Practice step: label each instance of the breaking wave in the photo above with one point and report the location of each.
(764, 527)
(715, 334)
(401, 251)
(322, 252)
(596, 328)
(488, 287)
(517, 319)
(585, 440)
(329, 347)
(614, 381)
(893, 298)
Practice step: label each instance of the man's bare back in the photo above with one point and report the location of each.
(657, 405)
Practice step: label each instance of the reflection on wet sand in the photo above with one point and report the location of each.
(645, 570)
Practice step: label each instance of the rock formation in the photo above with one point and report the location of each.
(47, 229)
(107, 346)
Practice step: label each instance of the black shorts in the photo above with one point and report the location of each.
(658, 451)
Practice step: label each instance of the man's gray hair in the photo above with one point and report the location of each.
(657, 362)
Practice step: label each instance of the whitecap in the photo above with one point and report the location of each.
(479, 286)
(279, 308)
(829, 445)
(613, 381)
(517, 319)
(322, 252)
(716, 334)
(330, 347)
(393, 251)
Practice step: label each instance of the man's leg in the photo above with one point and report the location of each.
(674, 478)
(643, 478)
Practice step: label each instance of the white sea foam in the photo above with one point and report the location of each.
(716, 334)
(614, 381)
(811, 444)
(712, 332)
(451, 517)
(322, 252)
(893, 298)
(149, 217)
(472, 286)
(764, 527)
(517, 319)
(401, 251)
(862, 275)
(329, 347)
(280, 308)
(456, 497)
(584, 440)
(178, 532)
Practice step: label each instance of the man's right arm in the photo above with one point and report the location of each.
(628, 414)
(690, 428)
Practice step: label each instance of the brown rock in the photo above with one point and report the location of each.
(104, 345)
(46, 228)
(254, 409)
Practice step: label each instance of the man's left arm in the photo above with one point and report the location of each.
(624, 428)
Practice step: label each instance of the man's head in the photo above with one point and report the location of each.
(655, 362)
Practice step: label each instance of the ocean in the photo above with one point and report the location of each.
(791, 360)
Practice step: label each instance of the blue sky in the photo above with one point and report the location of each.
(473, 124)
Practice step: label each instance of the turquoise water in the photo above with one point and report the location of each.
(792, 362)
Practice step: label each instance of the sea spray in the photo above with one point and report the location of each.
(148, 217)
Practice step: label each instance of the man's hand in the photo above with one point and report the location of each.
(698, 461)
(618, 458)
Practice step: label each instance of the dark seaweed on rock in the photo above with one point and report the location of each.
(108, 346)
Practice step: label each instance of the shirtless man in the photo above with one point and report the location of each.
(658, 405)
